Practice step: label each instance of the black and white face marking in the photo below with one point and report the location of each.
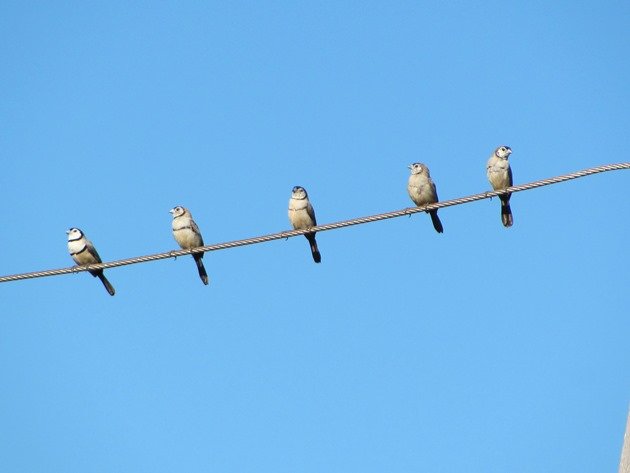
(503, 152)
(418, 168)
(74, 234)
(299, 192)
(177, 211)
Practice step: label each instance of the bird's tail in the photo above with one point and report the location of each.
(436, 221)
(317, 257)
(202, 271)
(106, 283)
(506, 211)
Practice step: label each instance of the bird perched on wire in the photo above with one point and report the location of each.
(499, 174)
(302, 216)
(422, 191)
(83, 252)
(188, 236)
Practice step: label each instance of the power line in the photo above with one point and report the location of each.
(319, 228)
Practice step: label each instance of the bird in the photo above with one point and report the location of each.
(302, 216)
(187, 235)
(83, 252)
(422, 191)
(499, 174)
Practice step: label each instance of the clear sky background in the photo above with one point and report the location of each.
(482, 349)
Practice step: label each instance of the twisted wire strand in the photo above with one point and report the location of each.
(319, 228)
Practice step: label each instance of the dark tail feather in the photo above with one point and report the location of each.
(106, 283)
(506, 211)
(202, 271)
(311, 239)
(436, 221)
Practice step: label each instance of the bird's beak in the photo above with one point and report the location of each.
(171, 211)
(67, 232)
(409, 167)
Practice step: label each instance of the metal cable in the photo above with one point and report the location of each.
(319, 228)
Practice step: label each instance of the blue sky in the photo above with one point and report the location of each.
(481, 349)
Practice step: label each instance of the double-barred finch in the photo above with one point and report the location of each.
(83, 252)
(302, 216)
(499, 174)
(188, 236)
(422, 191)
